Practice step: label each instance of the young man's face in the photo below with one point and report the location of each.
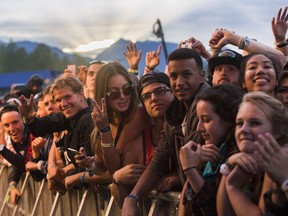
(226, 73)
(185, 79)
(91, 75)
(157, 98)
(50, 105)
(68, 102)
(13, 125)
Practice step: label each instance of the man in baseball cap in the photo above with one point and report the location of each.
(224, 67)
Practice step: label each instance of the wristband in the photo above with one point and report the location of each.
(12, 186)
(150, 69)
(224, 170)
(282, 43)
(284, 186)
(90, 169)
(105, 129)
(28, 120)
(40, 164)
(133, 70)
(189, 168)
(133, 196)
(243, 42)
(107, 145)
(82, 176)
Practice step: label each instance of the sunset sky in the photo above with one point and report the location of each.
(69, 24)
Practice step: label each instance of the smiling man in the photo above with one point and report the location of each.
(20, 139)
(74, 117)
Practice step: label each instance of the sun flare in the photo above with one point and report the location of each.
(94, 45)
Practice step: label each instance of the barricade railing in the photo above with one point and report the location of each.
(37, 199)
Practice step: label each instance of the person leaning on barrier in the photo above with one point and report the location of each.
(37, 166)
(216, 110)
(74, 116)
(116, 113)
(156, 96)
(186, 80)
(20, 138)
(261, 125)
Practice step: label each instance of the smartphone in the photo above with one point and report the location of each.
(73, 151)
(72, 68)
(186, 44)
(17, 199)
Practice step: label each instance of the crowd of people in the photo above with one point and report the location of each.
(219, 136)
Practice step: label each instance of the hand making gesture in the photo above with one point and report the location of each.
(280, 25)
(133, 56)
(99, 115)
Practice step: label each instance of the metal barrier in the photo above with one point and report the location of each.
(36, 199)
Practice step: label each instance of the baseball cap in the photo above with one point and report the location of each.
(153, 77)
(226, 56)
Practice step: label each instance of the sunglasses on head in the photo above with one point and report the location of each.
(126, 91)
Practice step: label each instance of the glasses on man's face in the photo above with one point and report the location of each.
(160, 91)
(283, 90)
(127, 91)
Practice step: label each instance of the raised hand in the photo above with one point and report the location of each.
(133, 56)
(26, 106)
(196, 45)
(280, 25)
(220, 38)
(153, 58)
(99, 114)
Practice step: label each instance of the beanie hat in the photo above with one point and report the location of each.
(36, 80)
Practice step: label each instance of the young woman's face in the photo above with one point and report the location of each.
(260, 75)
(119, 93)
(211, 126)
(251, 121)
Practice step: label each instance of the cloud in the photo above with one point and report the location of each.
(68, 23)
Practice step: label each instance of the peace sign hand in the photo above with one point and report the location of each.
(99, 114)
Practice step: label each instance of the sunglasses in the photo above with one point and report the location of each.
(127, 91)
(161, 91)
